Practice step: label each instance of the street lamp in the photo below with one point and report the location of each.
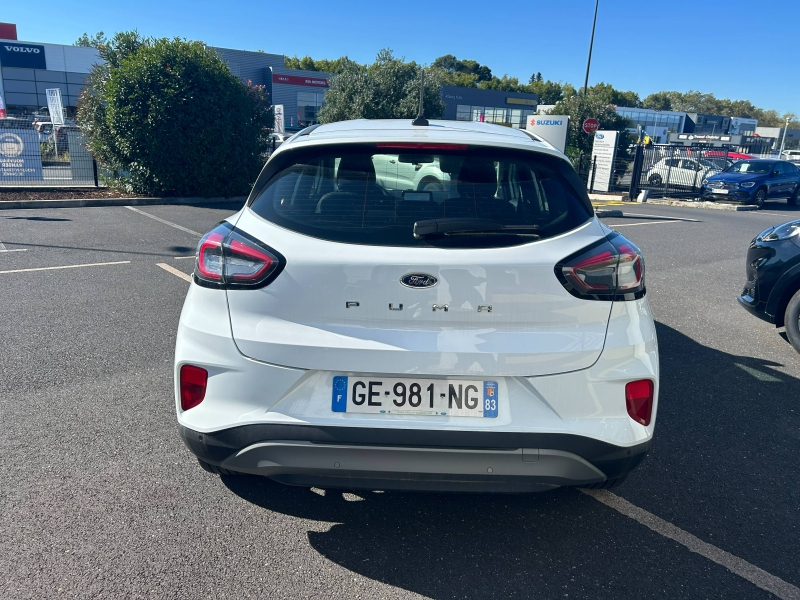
(591, 43)
(783, 141)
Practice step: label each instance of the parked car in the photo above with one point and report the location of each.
(791, 155)
(681, 172)
(339, 333)
(732, 156)
(772, 290)
(755, 181)
(14, 123)
(276, 139)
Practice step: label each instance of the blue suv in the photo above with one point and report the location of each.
(754, 182)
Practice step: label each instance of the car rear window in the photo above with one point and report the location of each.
(374, 195)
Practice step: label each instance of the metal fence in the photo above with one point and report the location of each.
(50, 156)
(665, 170)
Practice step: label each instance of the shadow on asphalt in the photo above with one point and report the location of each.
(722, 446)
(36, 219)
(226, 205)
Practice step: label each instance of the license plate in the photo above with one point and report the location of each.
(431, 397)
(720, 191)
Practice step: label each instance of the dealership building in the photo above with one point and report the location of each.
(28, 69)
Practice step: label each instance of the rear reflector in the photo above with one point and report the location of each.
(639, 400)
(193, 381)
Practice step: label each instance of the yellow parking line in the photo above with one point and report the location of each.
(175, 272)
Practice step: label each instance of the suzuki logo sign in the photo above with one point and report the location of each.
(25, 56)
(551, 128)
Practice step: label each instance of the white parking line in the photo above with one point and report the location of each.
(643, 223)
(4, 249)
(755, 575)
(175, 271)
(661, 217)
(182, 257)
(160, 220)
(119, 262)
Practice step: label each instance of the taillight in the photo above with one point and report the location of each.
(227, 258)
(612, 269)
(639, 400)
(193, 381)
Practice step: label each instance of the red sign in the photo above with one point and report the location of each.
(296, 80)
(590, 125)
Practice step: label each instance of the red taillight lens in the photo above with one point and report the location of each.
(639, 400)
(611, 270)
(244, 262)
(209, 255)
(227, 258)
(193, 381)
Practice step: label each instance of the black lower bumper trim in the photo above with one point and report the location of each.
(756, 311)
(214, 448)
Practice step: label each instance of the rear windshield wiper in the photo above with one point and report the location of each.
(467, 225)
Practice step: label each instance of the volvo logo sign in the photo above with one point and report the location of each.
(418, 280)
(25, 56)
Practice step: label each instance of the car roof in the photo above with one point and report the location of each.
(401, 130)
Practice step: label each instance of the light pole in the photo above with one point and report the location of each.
(783, 141)
(591, 43)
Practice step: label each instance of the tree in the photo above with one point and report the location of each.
(503, 84)
(338, 65)
(97, 40)
(657, 101)
(580, 108)
(169, 118)
(386, 89)
(451, 64)
(549, 92)
(535, 77)
(608, 94)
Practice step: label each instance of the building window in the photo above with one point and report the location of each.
(463, 112)
(308, 104)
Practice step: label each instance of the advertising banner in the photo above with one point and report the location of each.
(24, 56)
(55, 106)
(552, 128)
(20, 155)
(280, 121)
(604, 152)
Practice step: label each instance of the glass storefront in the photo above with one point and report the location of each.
(308, 104)
(514, 117)
(673, 122)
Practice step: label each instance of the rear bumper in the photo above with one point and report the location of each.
(435, 460)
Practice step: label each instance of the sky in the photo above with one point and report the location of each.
(738, 49)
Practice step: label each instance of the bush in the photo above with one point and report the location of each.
(386, 89)
(170, 119)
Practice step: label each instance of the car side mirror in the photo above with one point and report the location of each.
(774, 173)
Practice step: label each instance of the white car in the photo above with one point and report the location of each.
(682, 172)
(341, 334)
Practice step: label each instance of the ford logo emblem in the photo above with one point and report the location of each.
(599, 136)
(418, 280)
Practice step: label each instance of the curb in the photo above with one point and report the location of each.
(608, 213)
(95, 202)
(707, 205)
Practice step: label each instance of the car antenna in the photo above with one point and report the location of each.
(421, 121)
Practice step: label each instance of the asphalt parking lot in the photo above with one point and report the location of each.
(101, 499)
